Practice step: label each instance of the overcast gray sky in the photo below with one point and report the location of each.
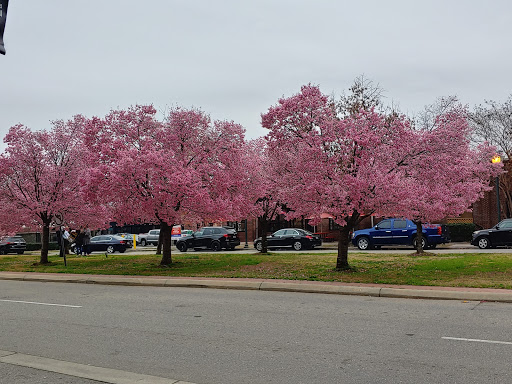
(235, 58)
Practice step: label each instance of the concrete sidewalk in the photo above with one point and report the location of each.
(375, 290)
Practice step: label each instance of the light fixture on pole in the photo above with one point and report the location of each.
(497, 159)
(246, 243)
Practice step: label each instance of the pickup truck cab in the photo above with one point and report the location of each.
(150, 238)
(399, 232)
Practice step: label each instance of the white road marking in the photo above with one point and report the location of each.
(34, 302)
(478, 340)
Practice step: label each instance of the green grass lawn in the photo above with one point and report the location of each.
(456, 270)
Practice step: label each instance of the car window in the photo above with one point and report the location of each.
(281, 232)
(506, 224)
(385, 224)
(207, 231)
(291, 232)
(217, 231)
(400, 224)
(15, 238)
(155, 232)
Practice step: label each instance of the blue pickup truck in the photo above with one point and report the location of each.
(399, 232)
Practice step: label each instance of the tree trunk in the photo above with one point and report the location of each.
(264, 230)
(343, 243)
(165, 233)
(419, 235)
(344, 240)
(159, 244)
(45, 240)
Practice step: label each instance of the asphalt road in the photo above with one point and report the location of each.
(224, 336)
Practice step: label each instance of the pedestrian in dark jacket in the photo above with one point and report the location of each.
(79, 243)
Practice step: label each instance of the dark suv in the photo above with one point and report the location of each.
(12, 244)
(214, 238)
(500, 234)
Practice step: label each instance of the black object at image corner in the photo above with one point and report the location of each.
(3, 17)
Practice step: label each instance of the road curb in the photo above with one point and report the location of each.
(412, 292)
(100, 374)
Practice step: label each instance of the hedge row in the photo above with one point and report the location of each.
(37, 246)
(461, 231)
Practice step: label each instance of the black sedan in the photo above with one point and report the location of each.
(290, 237)
(500, 234)
(109, 244)
(214, 238)
(12, 244)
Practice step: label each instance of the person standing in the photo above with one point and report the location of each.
(86, 241)
(79, 243)
(66, 235)
(64, 246)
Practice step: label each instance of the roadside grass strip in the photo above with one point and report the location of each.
(477, 270)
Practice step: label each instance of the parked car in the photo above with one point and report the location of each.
(109, 244)
(500, 234)
(129, 236)
(12, 244)
(290, 237)
(214, 238)
(150, 238)
(184, 232)
(397, 231)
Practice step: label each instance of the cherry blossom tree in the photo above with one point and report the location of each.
(184, 169)
(448, 174)
(349, 168)
(40, 173)
(492, 122)
(262, 187)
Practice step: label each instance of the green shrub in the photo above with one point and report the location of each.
(461, 231)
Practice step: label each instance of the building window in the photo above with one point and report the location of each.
(236, 225)
(333, 226)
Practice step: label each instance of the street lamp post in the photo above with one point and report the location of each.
(246, 243)
(497, 159)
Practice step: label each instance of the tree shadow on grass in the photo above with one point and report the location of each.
(48, 264)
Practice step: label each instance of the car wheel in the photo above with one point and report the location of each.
(182, 246)
(259, 246)
(110, 249)
(122, 250)
(215, 246)
(363, 243)
(3, 252)
(483, 243)
(423, 243)
(143, 242)
(297, 245)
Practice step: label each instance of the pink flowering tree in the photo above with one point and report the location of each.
(262, 187)
(183, 169)
(448, 175)
(349, 168)
(40, 175)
